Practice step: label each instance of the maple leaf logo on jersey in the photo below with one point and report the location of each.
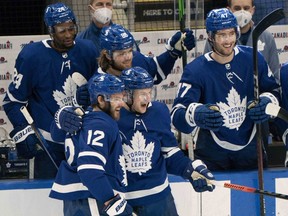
(122, 164)
(66, 97)
(234, 112)
(138, 155)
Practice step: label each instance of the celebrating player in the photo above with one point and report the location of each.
(93, 179)
(43, 82)
(213, 95)
(117, 54)
(151, 150)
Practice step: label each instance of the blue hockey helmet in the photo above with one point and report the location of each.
(115, 37)
(105, 85)
(136, 78)
(58, 13)
(219, 19)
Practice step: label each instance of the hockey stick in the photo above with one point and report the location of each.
(182, 29)
(43, 143)
(248, 189)
(196, 175)
(267, 21)
(276, 111)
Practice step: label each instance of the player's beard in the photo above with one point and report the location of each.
(222, 51)
(62, 46)
(121, 66)
(110, 111)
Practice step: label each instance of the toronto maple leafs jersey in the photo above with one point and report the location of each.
(43, 80)
(282, 126)
(95, 165)
(159, 67)
(230, 86)
(151, 151)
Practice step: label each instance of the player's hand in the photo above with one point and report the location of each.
(26, 141)
(205, 116)
(117, 206)
(189, 40)
(82, 96)
(256, 111)
(179, 40)
(69, 119)
(199, 176)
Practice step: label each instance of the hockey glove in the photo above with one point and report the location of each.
(179, 39)
(69, 119)
(199, 176)
(256, 111)
(82, 96)
(25, 140)
(189, 40)
(117, 206)
(204, 116)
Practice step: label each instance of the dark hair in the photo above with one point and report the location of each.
(229, 3)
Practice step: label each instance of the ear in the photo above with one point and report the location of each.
(101, 101)
(107, 55)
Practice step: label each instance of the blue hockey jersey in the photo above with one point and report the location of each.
(95, 165)
(151, 151)
(282, 126)
(230, 86)
(159, 67)
(43, 80)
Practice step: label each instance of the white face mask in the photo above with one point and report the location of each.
(243, 17)
(102, 15)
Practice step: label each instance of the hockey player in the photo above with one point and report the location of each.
(43, 82)
(243, 10)
(93, 179)
(151, 150)
(214, 92)
(281, 125)
(117, 54)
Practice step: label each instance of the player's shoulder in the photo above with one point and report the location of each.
(99, 120)
(35, 49)
(84, 42)
(158, 107)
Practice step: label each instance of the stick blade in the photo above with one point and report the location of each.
(267, 21)
(272, 109)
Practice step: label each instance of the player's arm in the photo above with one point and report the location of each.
(17, 95)
(161, 66)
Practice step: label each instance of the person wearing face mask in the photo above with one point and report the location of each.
(243, 11)
(101, 15)
(215, 95)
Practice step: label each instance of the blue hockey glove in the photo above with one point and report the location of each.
(25, 140)
(199, 176)
(82, 96)
(189, 40)
(69, 119)
(204, 116)
(117, 206)
(256, 111)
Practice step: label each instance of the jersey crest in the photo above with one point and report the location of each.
(65, 97)
(138, 156)
(122, 164)
(234, 111)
